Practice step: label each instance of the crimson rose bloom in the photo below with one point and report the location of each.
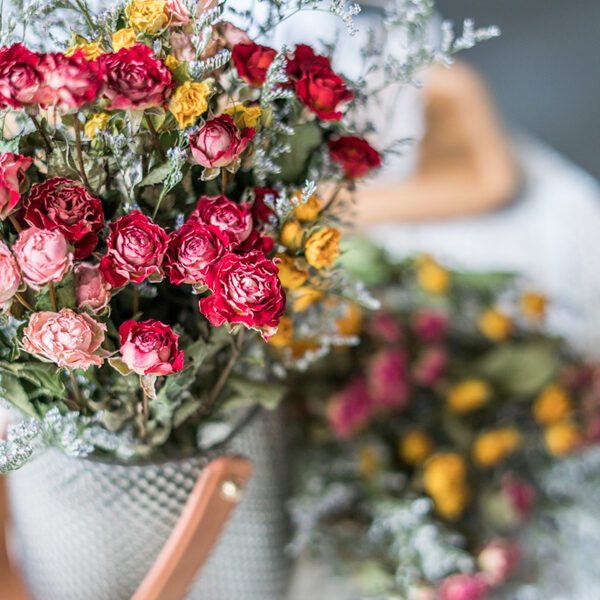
(21, 77)
(321, 90)
(305, 59)
(246, 289)
(192, 250)
(135, 79)
(252, 62)
(261, 213)
(150, 348)
(63, 204)
(355, 155)
(218, 143)
(12, 178)
(256, 241)
(232, 218)
(136, 248)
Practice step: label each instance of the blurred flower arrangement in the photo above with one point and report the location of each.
(428, 438)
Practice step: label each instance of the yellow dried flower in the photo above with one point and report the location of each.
(468, 395)
(189, 101)
(533, 306)
(171, 63)
(444, 479)
(496, 326)
(415, 447)
(148, 16)
(284, 335)
(124, 38)
(291, 235)
(300, 347)
(492, 447)
(351, 322)
(244, 116)
(290, 274)
(323, 247)
(552, 405)
(453, 502)
(96, 122)
(309, 210)
(432, 277)
(304, 297)
(90, 51)
(562, 438)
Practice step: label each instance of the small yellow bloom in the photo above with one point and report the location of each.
(495, 325)
(444, 479)
(291, 235)
(492, 447)
(124, 38)
(368, 461)
(309, 210)
(432, 277)
(90, 51)
(323, 247)
(284, 335)
(351, 322)
(533, 306)
(304, 297)
(171, 63)
(468, 395)
(148, 16)
(453, 502)
(189, 101)
(552, 405)
(290, 274)
(99, 121)
(300, 347)
(244, 116)
(562, 438)
(415, 447)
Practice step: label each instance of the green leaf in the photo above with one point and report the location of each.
(157, 175)
(12, 391)
(483, 282)
(247, 393)
(65, 295)
(364, 261)
(306, 139)
(45, 377)
(11, 145)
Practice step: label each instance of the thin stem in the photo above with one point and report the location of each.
(15, 223)
(155, 138)
(80, 155)
(43, 133)
(223, 182)
(76, 391)
(340, 186)
(136, 299)
(53, 296)
(24, 302)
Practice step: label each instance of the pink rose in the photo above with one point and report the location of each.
(66, 338)
(430, 325)
(12, 178)
(233, 35)
(22, 78)
(246, 289)
(10, 277)
(218, 143)
(135, 79)
(349, 410)
(182, 47)
(43, 255)
(232, 218)
(150, 348)
(498, 560)
(463, 587)
(256, 241)
(387, 377)
(192, 250)
(64, 204)
(431, 366)
(520, 495)
(385, 327)
(136, 248)
(91, 291)
(178, 13)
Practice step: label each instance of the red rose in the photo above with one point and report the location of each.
(261, 212)
(136, 248)
(246, 289)
(135, 79)
(12, 178)
(73, 80)
(150, 348)
(63, 204)
(218, 143)
(321, 90)
(232, 218)
(192, 250)
(305, 59)
(252, 62)
(256, 241)
(22, 77)
(355, 155)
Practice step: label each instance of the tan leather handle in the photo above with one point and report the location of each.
(214, 496)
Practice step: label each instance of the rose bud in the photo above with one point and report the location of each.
(218, 143)
(66, 338)
(43, 255)
(63, 204)
(304, 59)
(135, 80)
(431, 366)
(387, 377)
(321, 90)
(430, 325)
(349, 410)
(136, 249)
(232, 218)
(10, 277)
(498, 560)
(91, 291)
(12, 179)
(355, 156)
(463, 586)
(246, 289)
(263, 214)
(385, 327)
(252, 62)
(150, 348)
(192, 250)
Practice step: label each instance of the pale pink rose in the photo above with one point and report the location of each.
(233, 35)
(498, 560)
(350, 409)
(43, 255)
(463, 586)
(178, 13)
(66, 338)
(204, 5)
(385, 327)
(12, 177)
(10, 277)
(388, 379)
(91, 290)
(181, 46)
(431, 366)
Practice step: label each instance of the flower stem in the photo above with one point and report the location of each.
(136, 299)
(155, 138)
(53, 296)
(43, 133)
(24, 302)
(80, 155)
(223, 182)
(15, 223)
(340, 186)
(76, 391)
